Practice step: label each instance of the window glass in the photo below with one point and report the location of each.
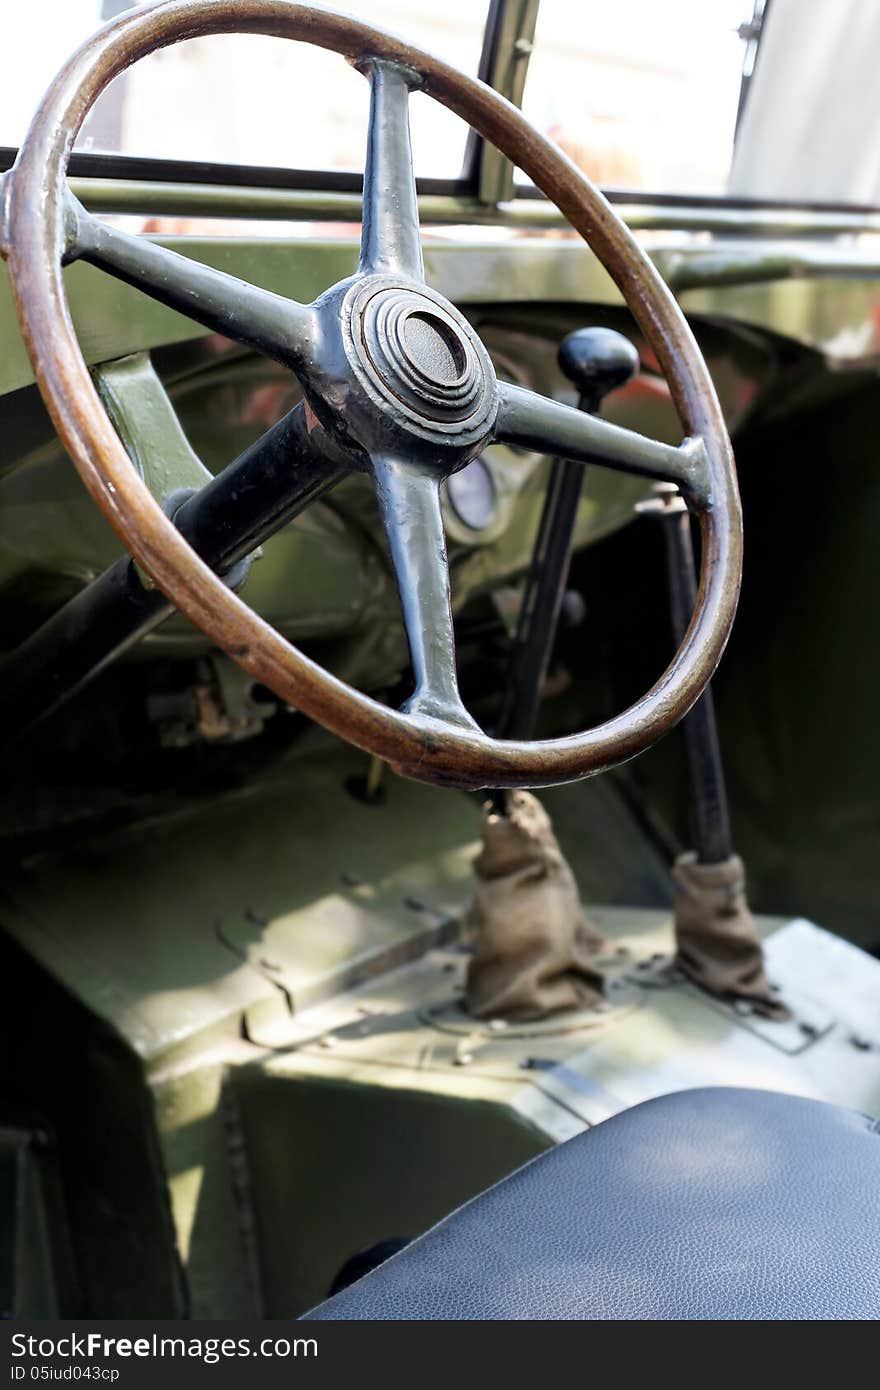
(642, 94)
(240, 98)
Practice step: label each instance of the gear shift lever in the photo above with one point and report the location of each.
(535, 950)
(705, 767)
(596, 361)
(716, 939)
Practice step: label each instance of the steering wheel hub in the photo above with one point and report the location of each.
(418, 359)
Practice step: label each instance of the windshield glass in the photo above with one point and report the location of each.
(641, 94)
(241, 98)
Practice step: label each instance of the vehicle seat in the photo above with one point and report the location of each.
(718, 1203)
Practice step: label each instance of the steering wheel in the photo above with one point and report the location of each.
(395, 382)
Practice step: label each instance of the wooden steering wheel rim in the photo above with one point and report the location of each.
(415, 745)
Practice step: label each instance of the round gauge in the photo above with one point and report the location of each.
(472, 495)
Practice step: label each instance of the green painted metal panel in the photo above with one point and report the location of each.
(114, 320)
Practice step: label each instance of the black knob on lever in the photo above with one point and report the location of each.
(596, 361)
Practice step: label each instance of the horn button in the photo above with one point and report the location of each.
(419, 361)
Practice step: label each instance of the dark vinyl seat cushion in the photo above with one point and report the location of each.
(717, 1203)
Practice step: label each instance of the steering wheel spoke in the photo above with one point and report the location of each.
(281, 328)
(390, 240)
(409, 501)
(536, 422)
